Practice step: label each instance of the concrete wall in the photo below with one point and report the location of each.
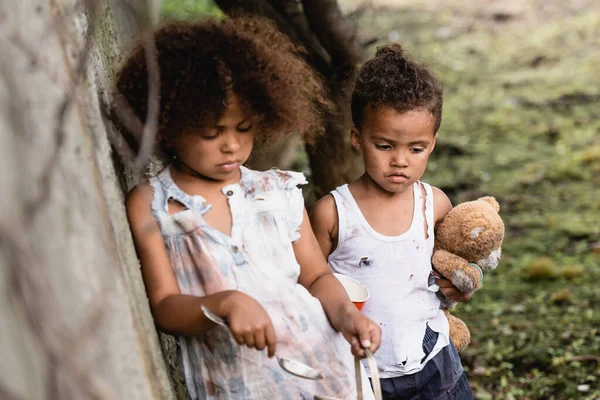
(74, 318)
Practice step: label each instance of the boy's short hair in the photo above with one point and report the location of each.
(393, 79)
(201, 62)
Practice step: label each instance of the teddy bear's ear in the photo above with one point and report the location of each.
(492, 201)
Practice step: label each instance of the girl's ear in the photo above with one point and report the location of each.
(355, 138)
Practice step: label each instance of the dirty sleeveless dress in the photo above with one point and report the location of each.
(257, 259)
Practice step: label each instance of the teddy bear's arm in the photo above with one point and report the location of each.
(465, 277)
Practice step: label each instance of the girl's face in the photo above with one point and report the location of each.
(395, 146)
(217, 152)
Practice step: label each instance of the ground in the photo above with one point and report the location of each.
(521, 123)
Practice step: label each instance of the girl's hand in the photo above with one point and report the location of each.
(248, 321)
(361, 332)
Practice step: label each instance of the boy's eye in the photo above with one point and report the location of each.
(417, 149)
(383, 146)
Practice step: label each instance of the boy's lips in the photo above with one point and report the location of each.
(398, 177)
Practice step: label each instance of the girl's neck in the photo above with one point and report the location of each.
(187, 174)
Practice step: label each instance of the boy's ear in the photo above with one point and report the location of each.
(355, 138)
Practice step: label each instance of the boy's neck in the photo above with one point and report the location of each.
(367, 187)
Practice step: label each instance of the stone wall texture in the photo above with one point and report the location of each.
(74, 316)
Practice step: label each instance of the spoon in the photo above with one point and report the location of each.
(292, 366)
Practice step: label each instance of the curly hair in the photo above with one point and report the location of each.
(201, 62)
(393, 79)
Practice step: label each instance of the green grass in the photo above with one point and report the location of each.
(522, 123)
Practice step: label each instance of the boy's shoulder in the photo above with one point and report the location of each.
(441, 203)
(324, 207)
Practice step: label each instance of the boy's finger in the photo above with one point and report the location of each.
(375, 338)
(357, 350)
(364, 335)
(271, 340)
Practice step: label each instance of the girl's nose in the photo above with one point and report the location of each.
(231, 142)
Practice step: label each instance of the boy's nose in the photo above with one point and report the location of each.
(399, 160)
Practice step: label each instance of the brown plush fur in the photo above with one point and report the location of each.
(471, 232)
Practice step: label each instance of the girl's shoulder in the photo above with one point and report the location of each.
(273, 180)
(138, 202)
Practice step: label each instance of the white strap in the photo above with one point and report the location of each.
(374, 376)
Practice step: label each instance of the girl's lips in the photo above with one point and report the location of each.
(229, 166)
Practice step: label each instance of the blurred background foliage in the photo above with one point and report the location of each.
(521, 123)
(188, 9)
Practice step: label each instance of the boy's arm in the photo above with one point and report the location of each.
(324, 221)
(441, 207)
(441, 204)
(318, 279)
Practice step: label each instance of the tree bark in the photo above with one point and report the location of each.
(333, 52)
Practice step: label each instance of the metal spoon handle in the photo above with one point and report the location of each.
(214, 317)
(292, 366)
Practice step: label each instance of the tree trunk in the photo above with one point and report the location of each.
(333, 51)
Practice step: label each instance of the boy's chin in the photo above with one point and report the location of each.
(394, 187)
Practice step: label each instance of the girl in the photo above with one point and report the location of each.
(210, 232)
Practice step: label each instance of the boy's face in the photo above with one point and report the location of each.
(218, 151)
(395, 146)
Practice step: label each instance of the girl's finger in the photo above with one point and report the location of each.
(271, 340)
(249, 339)
(239, 338)
(259, 340)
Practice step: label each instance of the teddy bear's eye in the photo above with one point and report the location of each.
(475, 232)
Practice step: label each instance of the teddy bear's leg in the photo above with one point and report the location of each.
(459, 333)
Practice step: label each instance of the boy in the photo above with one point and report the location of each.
(379, 229)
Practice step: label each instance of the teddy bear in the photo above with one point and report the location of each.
(468, 241)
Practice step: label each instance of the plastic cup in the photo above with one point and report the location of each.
(357, 292)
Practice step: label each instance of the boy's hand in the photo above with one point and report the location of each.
(361, 332)
(248, 321)
(450, 291)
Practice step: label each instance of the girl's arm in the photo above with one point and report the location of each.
(316, 276)
(181, 314)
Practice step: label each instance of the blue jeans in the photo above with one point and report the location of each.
(442, 377)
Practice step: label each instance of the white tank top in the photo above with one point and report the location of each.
(397, 272)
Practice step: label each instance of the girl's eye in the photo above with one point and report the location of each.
(212, 134)
(383, 146)
(417, 150)
(244, 127)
